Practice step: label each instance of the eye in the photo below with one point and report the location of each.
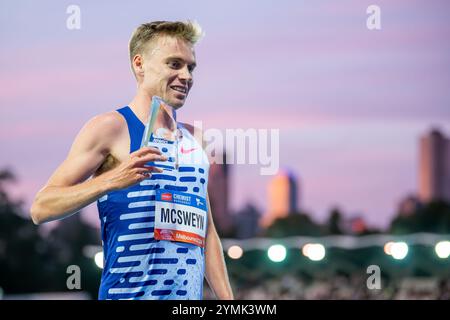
(174, 64)
(191, 68)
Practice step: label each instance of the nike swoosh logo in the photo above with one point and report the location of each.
(187, 150)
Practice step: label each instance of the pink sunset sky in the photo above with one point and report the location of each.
(350, 103)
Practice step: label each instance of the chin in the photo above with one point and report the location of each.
(176, 104)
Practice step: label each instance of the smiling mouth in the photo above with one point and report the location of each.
(179, 89)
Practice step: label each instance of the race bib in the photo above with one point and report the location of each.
(180, 217)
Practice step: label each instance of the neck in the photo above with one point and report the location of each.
(141, 106)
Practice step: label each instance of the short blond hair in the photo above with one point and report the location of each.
(189, 31)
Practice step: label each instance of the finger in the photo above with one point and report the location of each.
(145, 150)
(148, 169)
(141, 172)
(147, 172)
(151, 157)
(144, 175)
(153, 168)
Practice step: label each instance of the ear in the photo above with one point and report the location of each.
(138, 65)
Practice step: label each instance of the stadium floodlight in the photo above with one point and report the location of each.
(388, 248)
(235, 252)
(314, 251)
(98, 258)
(442, 249)
(399, 250)
(305, 249)
(277, 253)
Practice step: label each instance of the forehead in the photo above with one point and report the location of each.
(171, 47)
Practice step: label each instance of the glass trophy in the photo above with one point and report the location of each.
(162, 124)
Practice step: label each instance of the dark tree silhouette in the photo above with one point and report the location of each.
(333, 224)
(432, 217)
(293, 225)
(31, 262)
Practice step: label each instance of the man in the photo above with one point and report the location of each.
(136, 187)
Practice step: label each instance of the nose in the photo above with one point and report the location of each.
(185, 75)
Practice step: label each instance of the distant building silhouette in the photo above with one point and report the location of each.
(434, 167)
(218, 190)
(282, 197)
(247, 222)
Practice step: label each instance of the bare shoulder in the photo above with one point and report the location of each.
(89, 150)
(109, 122)
(103, 129)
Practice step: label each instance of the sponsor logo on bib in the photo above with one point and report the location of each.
(180, 217)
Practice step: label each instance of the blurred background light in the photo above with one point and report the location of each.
(235, 252)
(399, 250)
(277, 253)
(388, 248)
(98, 258)
(305, 249)
(314, 251)
(442, 249)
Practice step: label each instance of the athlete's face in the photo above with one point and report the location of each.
(168, 64)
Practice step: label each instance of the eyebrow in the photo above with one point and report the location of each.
(179, 58)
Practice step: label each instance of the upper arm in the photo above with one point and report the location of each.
(88, 151)
(211, 226)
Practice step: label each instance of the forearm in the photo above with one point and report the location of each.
(216, 271)
(54, 202)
